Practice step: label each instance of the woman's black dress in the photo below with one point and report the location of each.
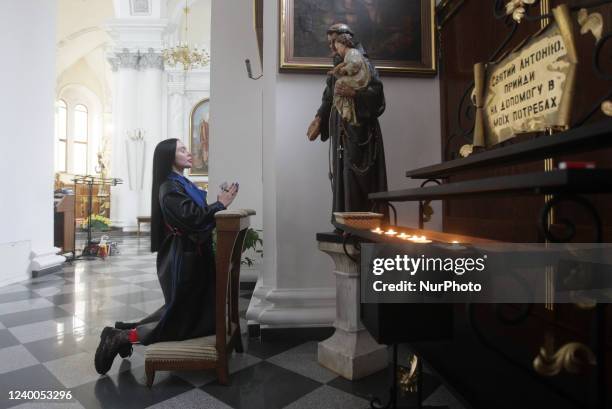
(185, 268)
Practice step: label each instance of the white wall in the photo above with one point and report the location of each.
(235, 106)
(297, 194)
(283, 174)
(26, 114)
(410, 128)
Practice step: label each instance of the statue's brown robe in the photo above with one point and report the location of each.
(357, 156)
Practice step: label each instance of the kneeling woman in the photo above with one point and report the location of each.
(181, 233)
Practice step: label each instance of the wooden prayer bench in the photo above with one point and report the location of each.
(142, 219)
(211, 352)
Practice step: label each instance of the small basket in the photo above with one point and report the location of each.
(359, 220)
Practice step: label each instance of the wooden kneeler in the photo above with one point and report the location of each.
(211, 352)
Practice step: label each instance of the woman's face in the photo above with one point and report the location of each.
(183, 158)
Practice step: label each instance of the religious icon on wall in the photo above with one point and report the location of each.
(199, 137)
(398, 35)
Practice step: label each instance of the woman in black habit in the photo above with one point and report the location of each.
(181, 233)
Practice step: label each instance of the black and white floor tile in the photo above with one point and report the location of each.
(49, 331)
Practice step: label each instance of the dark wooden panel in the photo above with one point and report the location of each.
(590, 89)
(471, 35)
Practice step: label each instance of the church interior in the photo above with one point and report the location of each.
(347, 129)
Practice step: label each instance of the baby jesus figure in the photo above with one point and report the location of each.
(352, 72)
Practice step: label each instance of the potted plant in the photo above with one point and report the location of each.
(98, 223)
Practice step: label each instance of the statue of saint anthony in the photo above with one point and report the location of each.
(357, 157)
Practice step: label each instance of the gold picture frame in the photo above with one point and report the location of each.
(408, 50)
(202, 185)
(199, 136)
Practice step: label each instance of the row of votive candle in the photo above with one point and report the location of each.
(403, 236)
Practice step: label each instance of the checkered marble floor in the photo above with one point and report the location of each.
(50, 326)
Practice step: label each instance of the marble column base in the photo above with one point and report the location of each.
(352, 355)
(351, 352)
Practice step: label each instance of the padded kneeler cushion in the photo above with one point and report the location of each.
(189, 350)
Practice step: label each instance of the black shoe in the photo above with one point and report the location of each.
(125, 325)
(126, 351)
(111, 341)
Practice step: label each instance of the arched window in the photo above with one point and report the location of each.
(79, 140)
(61, 135)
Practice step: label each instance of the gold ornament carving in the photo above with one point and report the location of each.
(590, 22)
(517, 9)
(606, 107)
(573, 357)
(466, 150)
(408, 377)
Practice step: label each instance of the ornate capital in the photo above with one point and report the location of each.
(127, 59)
(343, 264)
(114, 62)
(151, 60)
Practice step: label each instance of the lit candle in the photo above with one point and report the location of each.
(390, 232)
(403, 236)
(377, 230)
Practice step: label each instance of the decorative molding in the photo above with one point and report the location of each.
(135, 149)
(293, 307)
(77, 34)
(573, 358)
(128, 59)
(342, 263)
(114, 63)
(258, 301)
(151, 60)
(136, 33)
(140, 7)
(135, 60)
(590, 23)
(303, 316)
(43, 259)
(606, 107)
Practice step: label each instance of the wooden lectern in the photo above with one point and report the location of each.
(63, 232)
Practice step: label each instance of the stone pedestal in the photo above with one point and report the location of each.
(351, 352)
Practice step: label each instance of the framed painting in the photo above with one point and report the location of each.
(202, 185)
(199, 137)
(398, 35)
(258, 9)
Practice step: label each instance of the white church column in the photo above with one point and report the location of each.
(138, 105)
(150, 99)
(176, 103)
(297, 285)
(124, 198)
(26, 226)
